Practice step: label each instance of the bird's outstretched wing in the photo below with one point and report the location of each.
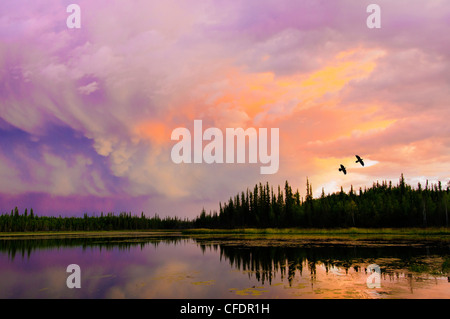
(342, 169)
(359, 160)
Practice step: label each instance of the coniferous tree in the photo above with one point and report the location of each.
(382, 205)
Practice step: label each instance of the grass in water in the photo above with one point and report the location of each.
(338, 231)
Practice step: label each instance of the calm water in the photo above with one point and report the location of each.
(175, 266)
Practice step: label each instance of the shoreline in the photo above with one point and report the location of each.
(325, 231)
(239, 231)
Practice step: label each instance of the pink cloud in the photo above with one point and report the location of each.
(137, 70)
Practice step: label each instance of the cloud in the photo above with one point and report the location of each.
(88, 89)
(119, 85)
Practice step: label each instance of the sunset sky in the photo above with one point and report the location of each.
(86, 115)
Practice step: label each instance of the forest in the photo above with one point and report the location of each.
(29, 222)
(382, 205)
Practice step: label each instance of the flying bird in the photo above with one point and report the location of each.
(343, 170)
(360, 160)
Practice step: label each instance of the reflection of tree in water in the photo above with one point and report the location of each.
(267, 262)
(25, 247)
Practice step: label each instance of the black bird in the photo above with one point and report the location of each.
(343, 169)
(360, 160)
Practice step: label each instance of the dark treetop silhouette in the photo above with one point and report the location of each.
(382, 205)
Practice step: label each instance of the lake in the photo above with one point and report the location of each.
(173, 265)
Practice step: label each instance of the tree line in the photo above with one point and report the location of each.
(382, 205)
(16, 222)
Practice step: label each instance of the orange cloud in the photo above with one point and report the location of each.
(153, 130)
(268, 96)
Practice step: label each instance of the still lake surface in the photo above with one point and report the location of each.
(171, 265)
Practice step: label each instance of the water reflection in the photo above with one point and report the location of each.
(176, 266)
(26, 246)
(265, 262)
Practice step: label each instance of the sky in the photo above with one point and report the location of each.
(86, 114)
